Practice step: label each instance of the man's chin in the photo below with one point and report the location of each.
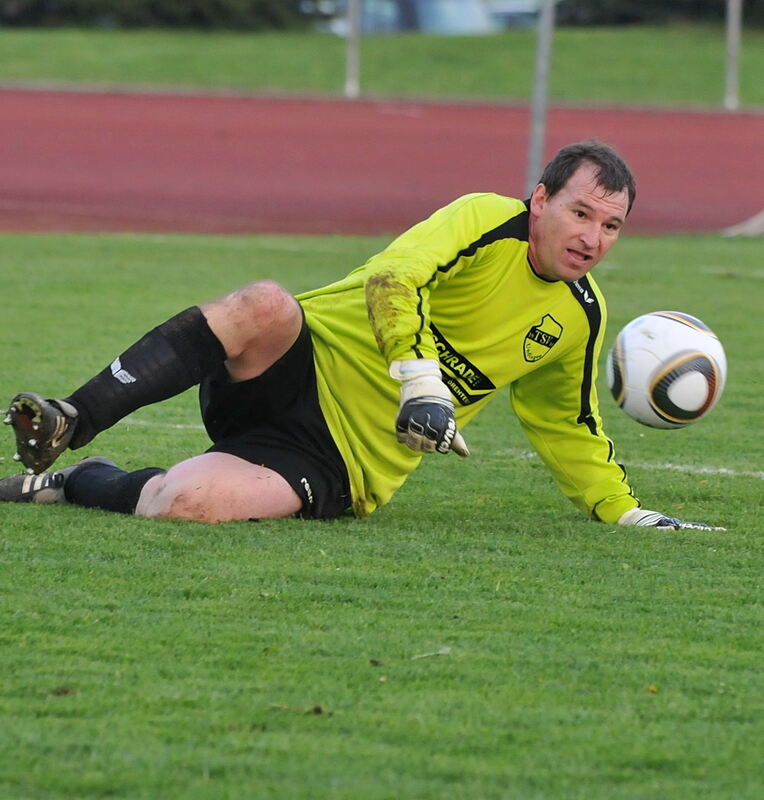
(573, 272)
(568, 275)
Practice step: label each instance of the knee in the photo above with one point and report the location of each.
(261, 316)
(265, 304)
(169, 496)
(218, 487)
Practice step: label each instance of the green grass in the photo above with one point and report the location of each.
(475, 638)
(644, 65)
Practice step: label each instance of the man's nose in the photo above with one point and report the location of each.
(590, 236)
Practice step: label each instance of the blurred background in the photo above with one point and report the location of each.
(433, 16)
(363, 115)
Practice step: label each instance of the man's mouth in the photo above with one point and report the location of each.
(578, 256)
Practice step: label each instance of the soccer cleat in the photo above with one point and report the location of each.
(43, 429)
(48, 487)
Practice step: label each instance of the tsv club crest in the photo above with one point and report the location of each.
(541, 338)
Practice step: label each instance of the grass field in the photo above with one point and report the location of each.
(647, 65)
(475, 638)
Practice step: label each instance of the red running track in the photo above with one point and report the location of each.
(150, 162)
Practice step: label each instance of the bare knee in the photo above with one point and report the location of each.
(267, 302)
(165, 496)
(255, 312)
(217, 487)
(256, 324)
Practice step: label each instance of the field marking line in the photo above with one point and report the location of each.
(516, 453)
(733, 473)
(686, 468)
(143, 423)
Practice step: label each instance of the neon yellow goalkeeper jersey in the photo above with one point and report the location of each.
(458, 288)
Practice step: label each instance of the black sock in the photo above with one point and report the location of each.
(107, 487)
(165, 362)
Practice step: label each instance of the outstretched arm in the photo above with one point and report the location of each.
(579, 455)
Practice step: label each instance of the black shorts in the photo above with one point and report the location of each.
(275, 420)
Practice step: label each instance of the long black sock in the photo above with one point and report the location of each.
(168, 360)
(107, 487)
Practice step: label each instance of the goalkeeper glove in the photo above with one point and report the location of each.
(653, 519)
(426, 420)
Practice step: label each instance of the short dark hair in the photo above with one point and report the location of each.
(613, 174)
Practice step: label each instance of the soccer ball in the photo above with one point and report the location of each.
(666, 369)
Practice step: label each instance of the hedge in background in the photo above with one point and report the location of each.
(280, 14)
(234, 14)
(624, 12)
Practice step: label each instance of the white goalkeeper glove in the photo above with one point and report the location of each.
(426, 421)
(654, 519)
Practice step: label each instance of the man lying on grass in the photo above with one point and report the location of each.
(322, 404)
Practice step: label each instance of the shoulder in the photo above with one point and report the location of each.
(486, 214)
(490, 203)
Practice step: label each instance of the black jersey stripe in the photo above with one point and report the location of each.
(514, 228)
(418, 334)
(583, 292)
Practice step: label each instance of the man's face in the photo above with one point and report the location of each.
(571, 231)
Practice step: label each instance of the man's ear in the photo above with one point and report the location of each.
(538, 199)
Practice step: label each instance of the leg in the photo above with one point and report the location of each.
(218, 487)
(250, 329)
(273, 456)
(214, 487)
(256, 324)
(48, 487)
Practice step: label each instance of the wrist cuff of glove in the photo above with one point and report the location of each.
(643, 518)
(414, 368)
(426, 388)
(634, 516)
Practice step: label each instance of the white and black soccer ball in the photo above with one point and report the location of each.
(666, 369)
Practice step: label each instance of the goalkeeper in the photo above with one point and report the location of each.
(323, 404)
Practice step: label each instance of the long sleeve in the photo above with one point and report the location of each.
(398, 281)
(558, 409)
